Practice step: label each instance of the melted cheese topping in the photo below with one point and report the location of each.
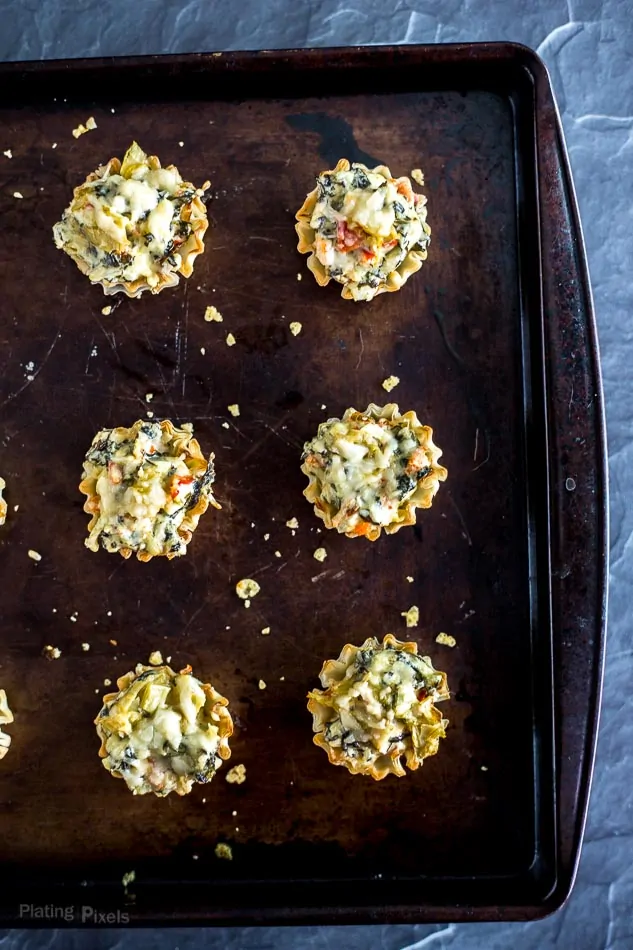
(367, 468)
(6, 717)
(381, 705)
(162, 732)
(3, 504)
(128, 225)
(144, 487)
(365, 225)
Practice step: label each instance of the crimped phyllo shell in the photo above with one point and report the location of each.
(3, 504)
(422, 497)
(199, 467)
(114, 720)
(192, 212)
(425, 730)
(306, 234)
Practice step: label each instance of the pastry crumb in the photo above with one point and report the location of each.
(230, 339)
(225, 425)
(85, 647)
(299, 277)
(149, 397)
(277, 553)
(224, 851)
(418, 176)
(34, 555)
(320, 554)
(247, 588)
(212, 314)
(181, 144)
(265, 631)
(390, 383)
(236, 775)
(293, 523)
(234, 409)
(484, 768)
(445, 639)
(107, 682)
(18, 194)
(155, 658)
(149, 414)
(296, 327)
(412, 616)
(82, 129)
(266, 537)
(202, 350)
(128, 878)
(6, 718)
(409, 578)
(106, 311)
(54, 145)
(8, 153)
(262, 684)
(51, 653)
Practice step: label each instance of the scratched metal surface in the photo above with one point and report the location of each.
(586, 45)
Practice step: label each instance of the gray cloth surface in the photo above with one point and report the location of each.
(588, 47)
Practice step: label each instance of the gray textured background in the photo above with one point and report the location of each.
(588, 47)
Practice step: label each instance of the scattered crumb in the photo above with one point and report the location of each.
(182, 144)
(34, 555)
(202, 350)
(128, 878)
(18, 194)
(107, 682)
(234, 409)
(169, 659)
(320, 554)
(109, 613)
(266, 537)
(224, 851)
(155, 658)
(247, 603)
(234, 813)
(265, 631)
(299, 277)
(54, 145)
(113, 643)
(418, 176)
(51, 653)
(8, 153)
(484, 768)
(149, 397)
(85, 647)
(16, 507)
(277, 553)
(230, 339)
(225, 425)
(445, 639)
(409, 578)
(247, 588)
(412, 616)
(73, 617)
(82, 129)
(195, 857)
(296, 327)
(212, 314)
(282, 679)
(293, 523)
(106, 311)
(149, 414)
(390, 383)
(262, 684)
(236, 775)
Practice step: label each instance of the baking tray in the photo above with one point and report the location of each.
(494, 342)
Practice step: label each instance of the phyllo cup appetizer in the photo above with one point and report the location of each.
(377, 706)
(146, 488)
(134, 226)
(371, 470)
(364, 229)
(6, 718)
(163, 731)
(3, 504)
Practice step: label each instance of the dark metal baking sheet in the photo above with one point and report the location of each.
(494, 342)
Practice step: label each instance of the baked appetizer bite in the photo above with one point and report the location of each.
(371, 470)
(133, 226)
(376, 706)
(3, 504)
(364, 229)
(6, 717)
(163, 731)
(146, 488)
